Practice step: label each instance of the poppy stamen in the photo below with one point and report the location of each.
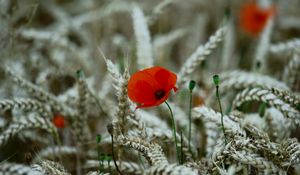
(159, 94)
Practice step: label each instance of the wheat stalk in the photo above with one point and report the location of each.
(162, 41)
(255, 160)
(53, 152)
(152, 152)
(263, 46)
(99, 13)
(166, 135)
(25, 105)
(40, 94)
(17, 169)
(266, 96)
(151, 120)
(228, 47)
(30, 122)
(79, 124)
(212, 137)
(287, 96)
(238, 79)
(142, 35)
(112, 69)
(243, 150)
(174, 169)
(52, 38)
(125, 167)
(210, 115)
(279, 128)
(50, 167)
(199, 55)
(292, 148)
(291, 72)
(124, 104)
(158, 10)
(281, 47)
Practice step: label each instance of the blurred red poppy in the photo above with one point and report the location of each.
(59, 121)
(253, 18)
(151, 86)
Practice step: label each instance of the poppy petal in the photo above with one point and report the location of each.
(59, 121)
(154, 103)
(253, 18)
(165, 78)
(144, 86)
(151, 86)
(139, 89)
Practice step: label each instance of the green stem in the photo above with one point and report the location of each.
(113, 155)
(57, 139)
(174, 132)
(181, 147)
(222, 122)
(99, 159)
(141, 162)
(190, 120)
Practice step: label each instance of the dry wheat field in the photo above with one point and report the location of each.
(152, 87)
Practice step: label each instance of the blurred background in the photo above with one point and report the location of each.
(47, 41)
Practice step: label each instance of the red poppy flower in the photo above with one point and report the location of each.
(59, 121)
(253, 18)
(151, 86)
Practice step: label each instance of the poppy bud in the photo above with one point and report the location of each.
(192, 85)
(98, 138)
(216, 80)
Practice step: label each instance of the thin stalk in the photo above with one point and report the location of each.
(141, 162)
(174, 132)
(190, 120)
(58, 141)
(113, 154)
(101, 164)
(181, 147)
(222, 122)
(78, 162)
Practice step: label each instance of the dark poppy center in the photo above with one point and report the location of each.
(259, 17)
(159, 94)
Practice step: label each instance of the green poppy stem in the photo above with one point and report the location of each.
(58, 141)
(190, 121)
(222, 116)
(216, 81)
(98, 140)
(113, 155)
(181, 147)
(142, 167)
(192, 85)
(174, 133)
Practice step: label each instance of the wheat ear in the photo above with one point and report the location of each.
(29, 123)
(143, 39)
(199, 55)
(266, 96)
(152, 152)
